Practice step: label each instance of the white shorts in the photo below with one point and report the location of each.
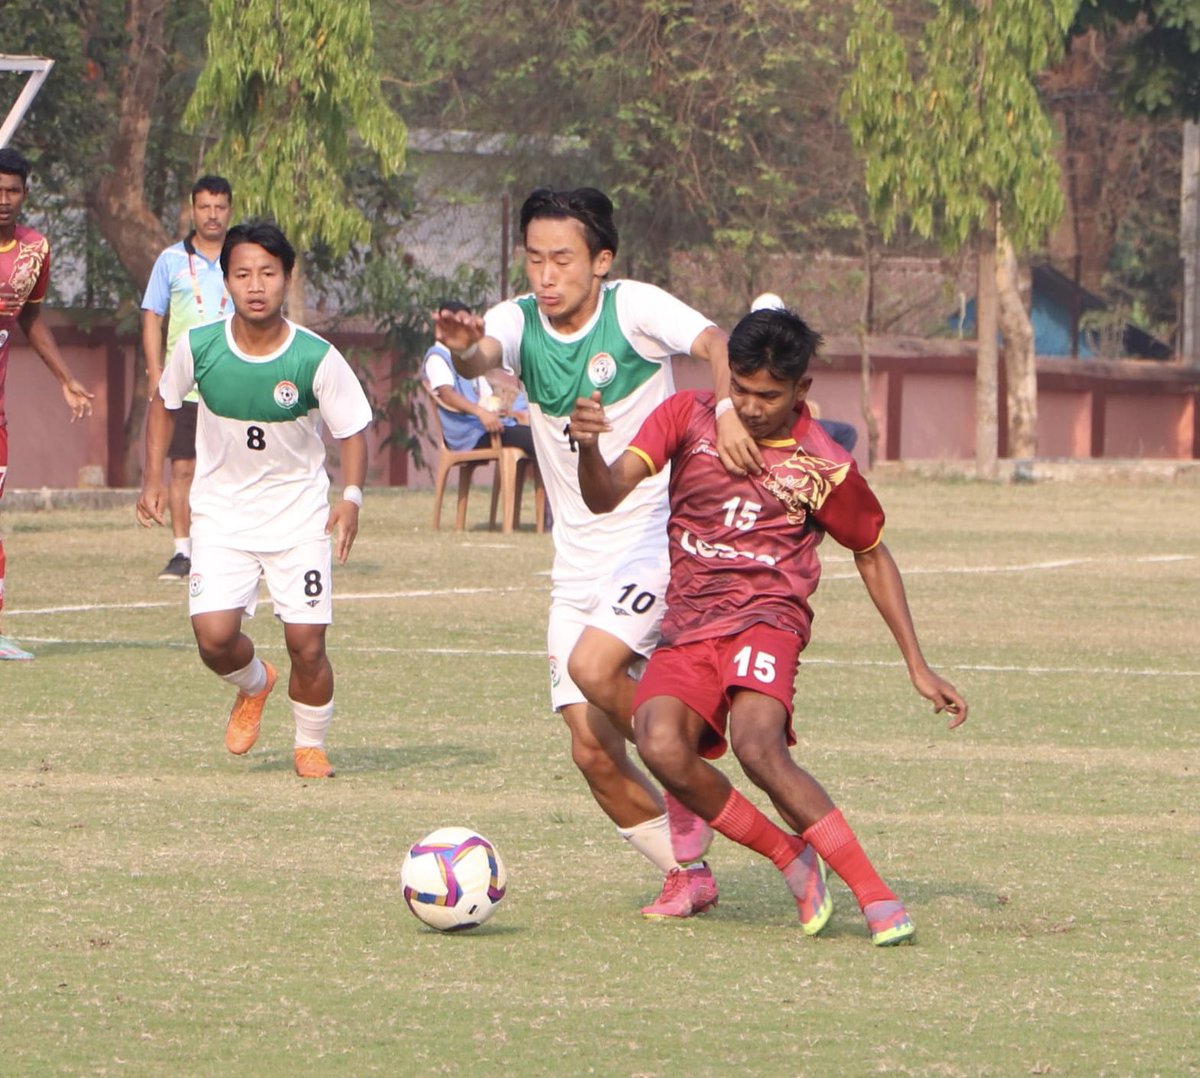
(299, 581)
(627, 604)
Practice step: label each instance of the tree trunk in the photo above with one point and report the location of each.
(295, 293)
(864, 332)
(118, 200)
(1020, 363)
(987, 355)
(1189, 244)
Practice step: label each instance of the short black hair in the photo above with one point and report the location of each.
(452, 305)
(214, 185)
(14, 163)
(777, 339)
(591, 208)
(267, 235)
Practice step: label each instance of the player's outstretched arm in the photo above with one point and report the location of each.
(462, 332)
(152, 501)
(886, 588)
(602, 485)
(343, 516)
(78, 399)
(738, 451)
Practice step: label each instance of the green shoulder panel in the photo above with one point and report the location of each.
(279, 390)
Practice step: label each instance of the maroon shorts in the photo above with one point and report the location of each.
(3, 457)
(705, 675)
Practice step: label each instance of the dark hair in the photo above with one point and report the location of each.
(214, 185)
(267, 235)
(14, 163)
(452, 305)
(591, 208)
(777, 339)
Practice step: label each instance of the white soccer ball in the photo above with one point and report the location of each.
(453, 879)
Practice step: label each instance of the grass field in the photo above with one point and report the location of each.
(166, 909)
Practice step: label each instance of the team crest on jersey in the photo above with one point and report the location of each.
(286, 394)
(195, 584)
(803, 483)
(602, 369)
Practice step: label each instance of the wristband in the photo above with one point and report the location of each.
(469, 353)
(723, 405)
(353, 494)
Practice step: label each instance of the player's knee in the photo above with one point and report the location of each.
(308, 655)
(758, 751)
(593, 677)
(594, 759)
(661, 745)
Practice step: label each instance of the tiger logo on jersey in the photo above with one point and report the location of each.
(803, 483)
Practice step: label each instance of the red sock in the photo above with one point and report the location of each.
(742, 822)
(832, 838)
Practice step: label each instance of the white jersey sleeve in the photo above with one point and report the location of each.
(178, 376)
(345, 409)
(505, 323)
(656, 323)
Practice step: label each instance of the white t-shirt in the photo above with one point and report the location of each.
(260, 481)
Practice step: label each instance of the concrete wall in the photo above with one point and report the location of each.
(922, 394)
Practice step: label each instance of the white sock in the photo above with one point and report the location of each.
(311, 723)
(652, 839)
(184, 547)
(250, 679)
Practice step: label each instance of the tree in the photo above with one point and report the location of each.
(1158, 76)
(285, 87)
(963, 151)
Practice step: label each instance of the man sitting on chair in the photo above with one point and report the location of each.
(470, 409)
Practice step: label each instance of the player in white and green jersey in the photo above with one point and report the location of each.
(572, 335)
(260, 498)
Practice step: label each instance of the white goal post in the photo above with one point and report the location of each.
(38, 67)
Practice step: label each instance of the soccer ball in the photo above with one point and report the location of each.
(453, 879)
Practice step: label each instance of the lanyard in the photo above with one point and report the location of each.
(196, 290)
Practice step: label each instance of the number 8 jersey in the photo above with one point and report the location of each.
(260, 480)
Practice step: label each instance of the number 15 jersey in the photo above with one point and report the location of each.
(744, 549)
(260, 480)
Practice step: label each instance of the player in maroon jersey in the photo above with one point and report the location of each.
(24, 278)
(743, 565)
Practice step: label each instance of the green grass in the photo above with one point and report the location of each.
(168, 909)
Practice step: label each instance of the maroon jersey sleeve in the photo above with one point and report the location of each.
(661, 435)
(43, 282)
(851, 513)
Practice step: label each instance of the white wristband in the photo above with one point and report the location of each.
(353, 494)
(723, 406)
(469, 353)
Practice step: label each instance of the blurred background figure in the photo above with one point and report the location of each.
(843, 433)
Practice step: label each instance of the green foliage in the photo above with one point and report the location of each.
(72, 122)
(704, 122)
(398, 297)
(285, 87)
(1159, 60)
(967, 130)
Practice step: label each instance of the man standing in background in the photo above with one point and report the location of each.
(186, 284)
(24, 279)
